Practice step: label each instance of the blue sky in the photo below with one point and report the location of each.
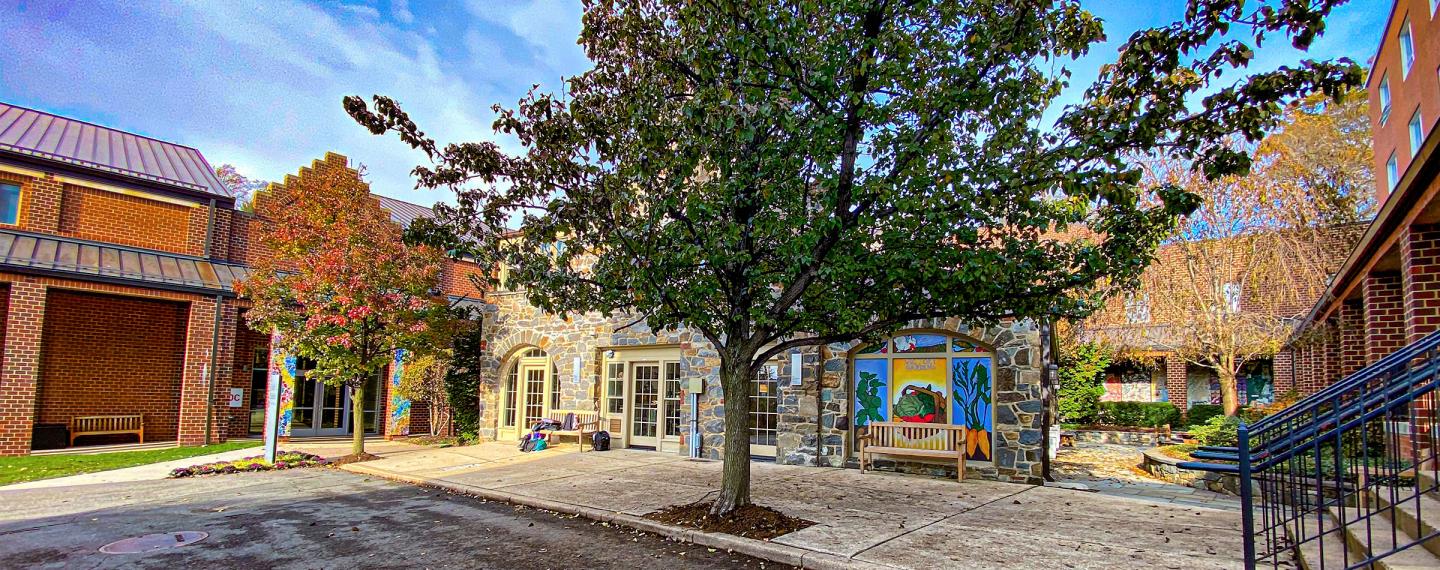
(259, 85)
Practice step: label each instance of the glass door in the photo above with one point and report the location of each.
(764, 412)
(644, 404)
(533, 393)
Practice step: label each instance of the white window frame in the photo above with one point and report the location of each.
(1392, 171)
(1137, 309)
(1384, 98)
(1416, 127)
(1407, 49)
(1231, 291)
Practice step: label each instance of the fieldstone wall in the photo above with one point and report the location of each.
(807, 432)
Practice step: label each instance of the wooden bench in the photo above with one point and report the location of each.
(107, 425)
(586, 422)
(913, 440)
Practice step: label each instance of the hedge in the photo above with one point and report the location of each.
(1200, 414)
(1139, 414)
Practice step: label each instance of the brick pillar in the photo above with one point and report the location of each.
(1305, 370)
(195, 379)
(1352, 337)
(1283, 366)
(1332, 354)
(1176, 382)
(24, 321)
(1384, 315)
(1420, 280)
(42, 204)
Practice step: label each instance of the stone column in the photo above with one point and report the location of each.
(24, 322)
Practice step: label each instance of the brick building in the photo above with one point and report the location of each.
(1387, 292)
(118, 256)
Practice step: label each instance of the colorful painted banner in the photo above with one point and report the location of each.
(281, 390)
(971, 389)
(872, 381)
(399, 407)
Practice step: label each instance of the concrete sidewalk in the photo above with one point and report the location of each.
(873, 520)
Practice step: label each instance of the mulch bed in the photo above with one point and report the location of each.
(750, 521)
(352, 458)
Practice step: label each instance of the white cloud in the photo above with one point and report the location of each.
(259, 86)
(400, 10)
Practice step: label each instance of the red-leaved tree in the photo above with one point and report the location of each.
(341, 286)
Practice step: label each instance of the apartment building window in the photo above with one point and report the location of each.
(9, 204)
(1407, 49)
(1384, 98)
(1417, 133)
(1232, 297)
(1392, 172)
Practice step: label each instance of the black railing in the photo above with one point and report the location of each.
(1346, 477)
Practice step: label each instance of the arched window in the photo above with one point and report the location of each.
(927, 377)
(531, 389)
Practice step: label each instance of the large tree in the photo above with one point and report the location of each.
(778, 174)
(341, 286)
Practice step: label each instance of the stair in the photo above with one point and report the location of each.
(1326, 553)
(1416, 516)
(1377, 534)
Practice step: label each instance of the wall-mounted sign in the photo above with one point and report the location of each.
(796, 368)
(577, 369)
(237, 397)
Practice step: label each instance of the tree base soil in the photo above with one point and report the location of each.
(750, 521)
(352, 458)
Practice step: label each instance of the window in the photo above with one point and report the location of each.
(925, 377)
(1407, 49)
(1392, 172)
(511, 387)
(672, 399)
(1384, 98)
(1232, 297)
(9, 204)
(1417, 133)
(1137, 309)
(615, 391)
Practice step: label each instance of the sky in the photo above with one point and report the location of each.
(259, 85)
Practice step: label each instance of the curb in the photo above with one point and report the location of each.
(791, 555)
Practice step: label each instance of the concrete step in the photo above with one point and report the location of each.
(1376, 534)
(1325, 553)
(1415, 515)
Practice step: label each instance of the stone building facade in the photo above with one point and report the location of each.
(803, 406)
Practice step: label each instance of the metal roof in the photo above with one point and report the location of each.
(26, 252)
(51, 137)
(403, 212)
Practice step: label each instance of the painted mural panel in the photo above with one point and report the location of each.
(282, 382)
(920, 343)
(971, 390)
(872, 380)
(399, 407)
(917, 390)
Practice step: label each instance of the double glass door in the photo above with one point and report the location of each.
(655, 405)
(322, 409)
(529, 393)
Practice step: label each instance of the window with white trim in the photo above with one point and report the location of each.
(1417, 133)
(1407, 49)
(1232, 297)
(1384, 92)
(1392, 172)
(1137, 309)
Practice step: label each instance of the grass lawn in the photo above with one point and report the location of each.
(35, 467)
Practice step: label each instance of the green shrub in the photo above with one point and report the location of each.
(1080, 382)
(1139, 414)
(1218, 430)
(1200, 414)
(462, 383)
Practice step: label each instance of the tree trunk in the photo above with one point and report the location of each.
(357, 418)
(1229, 392)
(735, 479)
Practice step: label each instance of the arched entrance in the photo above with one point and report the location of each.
(926, 377)
(531, 388)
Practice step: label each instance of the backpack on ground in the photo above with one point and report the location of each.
(600, 441)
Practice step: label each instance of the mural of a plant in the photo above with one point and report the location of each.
(971, 387)
(867, 394)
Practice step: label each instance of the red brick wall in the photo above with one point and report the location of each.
(129, 220)
(1408, 92)
(455, 279)
(1284, 370)
(1352, 338)
(1420, 274)
(105, 354)
(1384, 315)
(1177, 382)
(246, 341)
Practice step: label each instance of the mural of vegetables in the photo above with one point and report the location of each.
(869, 398)
(970, 381)
(920, 405)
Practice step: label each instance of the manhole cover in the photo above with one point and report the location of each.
(153, 542)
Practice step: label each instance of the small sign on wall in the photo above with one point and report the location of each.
(577, 369)
(796, 368)
(237, 397)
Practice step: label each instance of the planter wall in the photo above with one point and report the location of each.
(1136, 438)
(1167, 468)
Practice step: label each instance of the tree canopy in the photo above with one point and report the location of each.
(776, 174)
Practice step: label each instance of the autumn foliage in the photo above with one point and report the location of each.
(341, 286)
